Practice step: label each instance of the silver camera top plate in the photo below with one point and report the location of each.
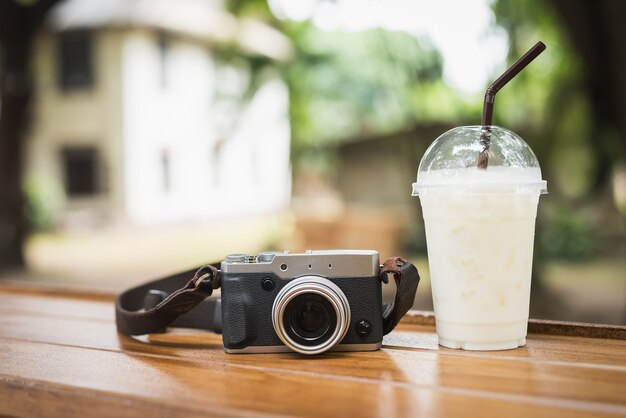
(325, 263)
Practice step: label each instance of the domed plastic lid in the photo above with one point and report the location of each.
(449, 164)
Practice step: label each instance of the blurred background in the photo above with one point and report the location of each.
(142, 137)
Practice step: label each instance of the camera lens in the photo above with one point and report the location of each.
(311, 315)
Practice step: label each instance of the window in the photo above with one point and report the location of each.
(80, 166)
(75, 60)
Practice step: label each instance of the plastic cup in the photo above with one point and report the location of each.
(480, 227)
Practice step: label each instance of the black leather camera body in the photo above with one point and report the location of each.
(309, 303)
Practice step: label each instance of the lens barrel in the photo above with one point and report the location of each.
(311, 315)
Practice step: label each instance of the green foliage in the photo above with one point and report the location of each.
(536, 97)
(346, 84)
(568, 234)
(572, 160)
(44, 200)
(257, 9)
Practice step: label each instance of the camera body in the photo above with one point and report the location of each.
(317, 301)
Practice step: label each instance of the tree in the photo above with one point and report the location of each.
(346, 85)
(597, 32)
(19, 21)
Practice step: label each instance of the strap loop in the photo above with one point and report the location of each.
(407, 278)
(199, 280)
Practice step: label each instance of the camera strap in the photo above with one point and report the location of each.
(179, 301)
(152, 307)
(407, 278)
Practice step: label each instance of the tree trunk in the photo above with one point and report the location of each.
(18, 24)
(597, 31)
(15, 97)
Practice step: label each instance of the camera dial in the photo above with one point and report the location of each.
(236, 258)
(311, 315)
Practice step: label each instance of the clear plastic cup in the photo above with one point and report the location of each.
(480, 227)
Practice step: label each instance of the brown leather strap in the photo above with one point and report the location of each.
(407, 278)
(152, 307)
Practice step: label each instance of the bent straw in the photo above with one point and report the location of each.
(490, 97)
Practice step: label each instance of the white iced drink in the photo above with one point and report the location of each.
(480, 228)
(480, 253)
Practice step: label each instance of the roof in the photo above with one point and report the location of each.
(205, 20)
(429, 131)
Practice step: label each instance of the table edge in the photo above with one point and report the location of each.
(413, 317)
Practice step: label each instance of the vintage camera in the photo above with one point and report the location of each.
(274, 302)
(309, 303)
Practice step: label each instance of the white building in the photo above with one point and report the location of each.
(137, 121)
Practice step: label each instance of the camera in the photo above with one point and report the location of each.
(312, 302)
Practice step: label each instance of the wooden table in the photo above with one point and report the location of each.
(60, 355)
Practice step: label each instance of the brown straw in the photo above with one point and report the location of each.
(490, 97)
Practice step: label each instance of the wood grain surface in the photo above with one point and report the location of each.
(60, 355)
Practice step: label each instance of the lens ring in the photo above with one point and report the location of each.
(290, 292)
(284, 322)
(315, 285)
